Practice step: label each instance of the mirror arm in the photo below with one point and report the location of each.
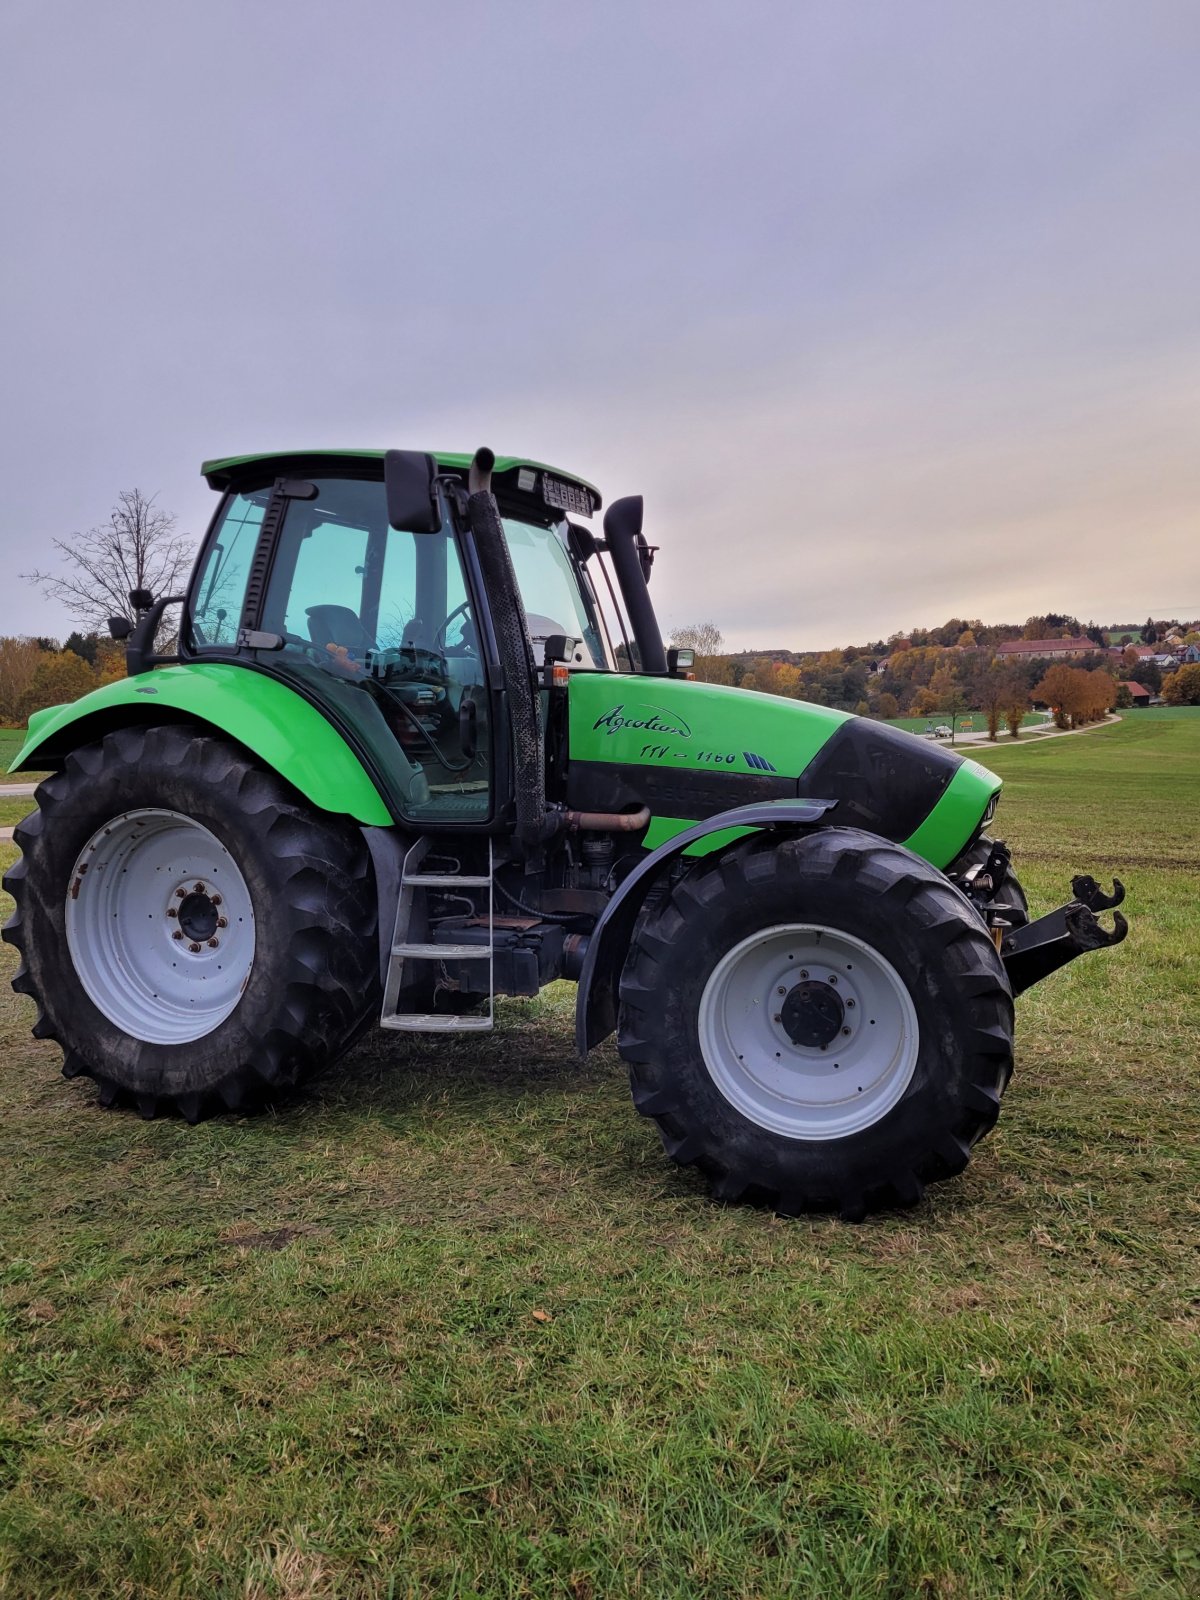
(139, 650)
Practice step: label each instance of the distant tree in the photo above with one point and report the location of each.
(138, 548)
(886, 707)
(707, 640)
(57, 678)
(1149, 632)
(1056, 690)
(1124, 697)
(1096, 635)
(1125, 639)
(1182, 687)
(83, 644)
(19, 659)
(966, 639)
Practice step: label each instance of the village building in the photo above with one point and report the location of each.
(1050, 649)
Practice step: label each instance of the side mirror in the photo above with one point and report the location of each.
(645, 553)
(412, 505)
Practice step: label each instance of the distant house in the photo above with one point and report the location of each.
(1051, 649)
(1144, 652)
(1141, 695)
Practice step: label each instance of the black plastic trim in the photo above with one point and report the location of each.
(595, 1005)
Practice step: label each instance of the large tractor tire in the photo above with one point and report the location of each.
(191, 934)
(819, 1024)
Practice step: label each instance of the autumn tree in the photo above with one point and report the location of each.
(137, 548)
(19, 660)
(1057, 690)
(59, 676)
(1182, 687)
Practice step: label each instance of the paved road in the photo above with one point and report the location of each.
(9, 789)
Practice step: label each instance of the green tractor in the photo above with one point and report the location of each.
(422, 745)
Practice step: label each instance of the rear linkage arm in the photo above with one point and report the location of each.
(1039, 948)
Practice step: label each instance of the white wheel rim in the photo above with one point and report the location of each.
(160, 926)
(798, 1089)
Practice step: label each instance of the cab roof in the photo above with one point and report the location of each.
(225, 471)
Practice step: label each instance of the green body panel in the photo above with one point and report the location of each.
(673, 722)
(444, 458)
(710, 728)
(949, 825)
(270, 719)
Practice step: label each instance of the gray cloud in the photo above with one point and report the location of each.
(889, 310)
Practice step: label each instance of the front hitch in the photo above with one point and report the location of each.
(1039, 948)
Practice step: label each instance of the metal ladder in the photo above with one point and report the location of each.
(413, 881)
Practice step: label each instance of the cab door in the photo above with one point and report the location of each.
(379, 627)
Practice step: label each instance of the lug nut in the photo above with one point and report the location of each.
(777, 1017)
(804, 972)
(216, 899)
(178, 934)
(781, 990)
(849, 1004)
(223, 922)
(180, 894)
(833, 977)
(845, 1030)
(172, 912)
(214, 943)
(195, 949)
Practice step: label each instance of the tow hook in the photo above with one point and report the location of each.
(1039, 948)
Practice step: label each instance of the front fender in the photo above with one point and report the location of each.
(595, 1005)
(283, 730)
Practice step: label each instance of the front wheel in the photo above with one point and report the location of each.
(820, 1023)
(193, 936)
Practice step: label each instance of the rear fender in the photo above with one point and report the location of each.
(272, 721)
(596, 1003)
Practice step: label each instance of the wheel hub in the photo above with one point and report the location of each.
(160, 926)
(808, 1031)
(812, 1015)
(199, 916)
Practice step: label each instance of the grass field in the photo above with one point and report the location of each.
(450, 1325)
(1031, 719)
(11, 740)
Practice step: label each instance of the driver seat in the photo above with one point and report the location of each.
(338, 625)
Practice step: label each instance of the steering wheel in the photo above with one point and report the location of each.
(439, 638)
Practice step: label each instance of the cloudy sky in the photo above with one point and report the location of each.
(890, 308)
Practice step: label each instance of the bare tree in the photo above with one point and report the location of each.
(705, 638)
(137, 548)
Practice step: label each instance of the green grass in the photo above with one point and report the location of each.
(13, 808)
(451, 1325)
(1031, 719)
(11, 740)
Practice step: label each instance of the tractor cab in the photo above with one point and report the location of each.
(311, 573)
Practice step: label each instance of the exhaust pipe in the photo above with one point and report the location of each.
(622, 526)
(535, 823)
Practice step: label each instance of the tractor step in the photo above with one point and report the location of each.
(443, 952)
(435, 880)
(435, 1022)
(415, 882)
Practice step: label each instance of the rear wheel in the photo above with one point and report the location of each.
(821, 1023)
(192, 935)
